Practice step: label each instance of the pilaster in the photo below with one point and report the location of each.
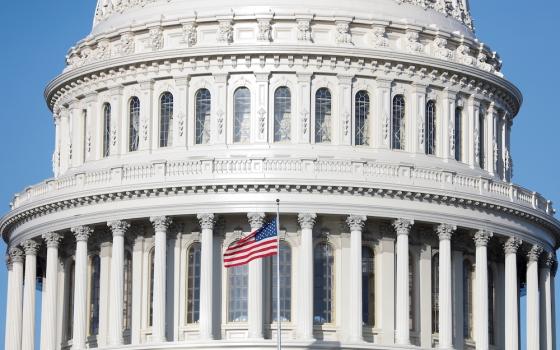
(219, 108)
(303, 108)
(342, 126)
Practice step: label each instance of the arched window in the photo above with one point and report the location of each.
(95, 266)
(481, 143)
(203, 109)
(491, 306)
(166, 119)
(458, 134)
(151, 288)
(398, 123)
(285, 258)
(368, 286)
(70, 300)
(134, 124)
(411, 293)
(242, 115)
(431, 127)
(361, 118)
(323, 115)
(435, 293)
(468, 286)
(193, 283)
(127, 292)
(323, 284)
(282, 114)
(106, 130)
(237, 293)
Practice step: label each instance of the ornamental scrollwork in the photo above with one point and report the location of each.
(156, 40)
(225, 32)
(256, 220)
(534, 253)
(445, 231)
(356, 222)
(82, 233)
(161, 223)
(413, 43)
(16, 255)
(380, 39)
(456, 9)
(512, 245)
(52, 239)
(307, 220)
(206, 220)
(304, 30)
(265, 30)
(343, 35)
(30, 247)
(482, 237)
(402, 226)
(119, 227)
(190, 36)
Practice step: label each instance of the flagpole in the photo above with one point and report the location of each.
(278, 319)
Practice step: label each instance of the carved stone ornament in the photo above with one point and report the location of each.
(549, 260)
(379, 36)
(402, 226)
(441, 49)
(482, 62)
(445, 231)
(225, 32)
(52, 239)
(265, 30)
(156, 41)
(118, 227)
(161, 223)
(413, 42)
(206, 220)
(482, 237)
(343, 35)
(534, 253)
(103, 50)
(307, 220)
(82, 233)
(256, 220)
(512, 245)
(356, 222)
(464, 55)
(190, 36)
(16, 255)
(458, 9)
(30, 247)
(304, 30)
(127, 45)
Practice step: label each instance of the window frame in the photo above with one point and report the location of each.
(276, 127)
(237, 136)
(188, 281)
(166, 111)
(316, 113)
(200, 131)
(400, 143)
(134, 114)
(431, 128)
(107, 130)
(367, 106)
(331, 293)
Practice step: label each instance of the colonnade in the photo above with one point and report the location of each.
(20, 333)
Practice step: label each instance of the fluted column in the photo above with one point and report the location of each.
(356, 224)
(533, 324)
(255, 293)
(116, 300)
(402, 307)
(445, 232)
(545, 287)
(28, 322)
(15, 303)
(305, 324)
(79, 331)
(9, 305)
(50, 305)
(481, 239)
(161, 224)
(511, 294)
(206, 275)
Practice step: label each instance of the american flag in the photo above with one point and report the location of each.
(258, 244)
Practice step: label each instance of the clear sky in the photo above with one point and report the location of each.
(37, 35)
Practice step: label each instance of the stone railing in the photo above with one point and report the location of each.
(308, 171)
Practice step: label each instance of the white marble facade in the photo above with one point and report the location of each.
(384, 129)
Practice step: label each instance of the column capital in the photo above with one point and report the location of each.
(118, 227)
(482, 237)
(161, 223)
(206, 220)
(512, 245)
(534, 253)
(356, 222)
(307, 220)
(402, 226)
(16, 255)
(82, 233)
(52, 239)
(30, 247)
(256, 220)
(549, 259)
(445, 231)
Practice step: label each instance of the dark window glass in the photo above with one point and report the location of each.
(361, 121)
(398, 123)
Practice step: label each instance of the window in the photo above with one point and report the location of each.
(193, 283)
(203, 109)
(70, 301)
(242, 115)
(411, 293)
(323, 284)
(368, 287)
(435, 293)
(166, 119)
(468, 299)
(481, 143)
(458, 134)
(361, 121)
(431, 127)
(151, 289)
(323, 111)
(127, 293)
(134, 124)
(282, 114)
(491, 306)
(237, 293)
(95, 265)
(285, 258)
(398, 123)
(106, 130)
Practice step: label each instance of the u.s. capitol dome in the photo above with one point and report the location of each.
(382, 126)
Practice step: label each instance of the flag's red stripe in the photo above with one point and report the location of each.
(247, 247)
(243, 240)
(244, 262)
(253, 251)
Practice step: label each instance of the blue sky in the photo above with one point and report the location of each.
(37, 35)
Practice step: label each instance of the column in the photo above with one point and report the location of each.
(533, 324)
(105, 247)
(50, 305)
(161, 224)
(445, 321)
(207, 221)
(402, 302)
(545, 287)
(9, 305)
(385, 268)
(481, 239)
(305, 324)
(255, 293)
(79, 331)
(28, 322)
(13, 336)
(457, 259)
(116, 299)
(511, 294)
(137, 276)
(356, 224)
